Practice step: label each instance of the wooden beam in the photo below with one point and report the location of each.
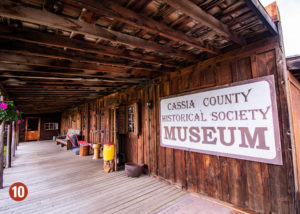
(293, 63)
(122, 14)
(191, 9)
(59, 41)
(92, 80)
(54, 91)
(60, 64)
(60, 87)
(51, 93)
(63, 82)
(13, 10)
(262, 14)
(79, 60)
(46, 72)
(63, 85)
(23, 48)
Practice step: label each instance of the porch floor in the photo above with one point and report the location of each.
(59, 181)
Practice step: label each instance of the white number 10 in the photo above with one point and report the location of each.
(19, 191)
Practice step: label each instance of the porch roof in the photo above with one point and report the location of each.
(293, 65)
(58, 53)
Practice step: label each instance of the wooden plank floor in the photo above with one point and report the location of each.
(61, 182)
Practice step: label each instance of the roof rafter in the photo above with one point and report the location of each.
(128, 16)
(75, 78)
(46, 62)
(260, 11)
(16, 11)
(191, 9)
(78, 60)
(59, 41)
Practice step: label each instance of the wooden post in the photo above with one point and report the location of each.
(18, 136)
(8, 147)
(13, 139)
(1, 152)
(1, 148)
(115, 137)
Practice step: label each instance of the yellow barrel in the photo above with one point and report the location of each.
(108, 151)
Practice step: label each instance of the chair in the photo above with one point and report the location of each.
(82, 142)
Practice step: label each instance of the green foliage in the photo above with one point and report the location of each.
(9, 112)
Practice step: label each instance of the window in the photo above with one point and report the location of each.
(132, 119)
(33, 124)
(51, 126)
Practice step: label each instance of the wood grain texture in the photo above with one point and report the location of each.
(255, 186)
(188, 7)
(51, 184)
(87, 43)
(294, 90)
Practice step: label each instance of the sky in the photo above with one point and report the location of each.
(290, 20)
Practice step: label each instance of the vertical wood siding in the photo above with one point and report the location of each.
(256, 186)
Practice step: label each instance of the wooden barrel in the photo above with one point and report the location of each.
(84, 150)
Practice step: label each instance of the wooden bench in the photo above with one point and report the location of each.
(65, 141)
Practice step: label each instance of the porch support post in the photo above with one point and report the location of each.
(8, 147)
(17, 135)
(115, 137)
(13, 139)
(1, 152)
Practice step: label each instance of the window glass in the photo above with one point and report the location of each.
(51, 126)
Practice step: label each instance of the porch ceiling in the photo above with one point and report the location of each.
(57, 53)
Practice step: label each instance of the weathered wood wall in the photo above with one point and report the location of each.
(294, 90)
(256, 186)
(45, 118)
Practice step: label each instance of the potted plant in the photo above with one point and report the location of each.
(9, 113)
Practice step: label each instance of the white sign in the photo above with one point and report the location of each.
(239, 121)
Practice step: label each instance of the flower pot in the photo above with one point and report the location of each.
(133, 169)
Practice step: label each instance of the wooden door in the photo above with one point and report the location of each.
(132, 123)
(131, 148)
(93, 129)
(32, 129)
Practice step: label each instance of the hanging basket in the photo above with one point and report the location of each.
(9, 113)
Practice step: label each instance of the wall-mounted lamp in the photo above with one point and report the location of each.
(150, 104)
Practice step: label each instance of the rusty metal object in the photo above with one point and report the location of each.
(133, 169)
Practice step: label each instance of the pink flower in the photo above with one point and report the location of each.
(3, 106)
(18, 112)
(19, 121)
(23, 120)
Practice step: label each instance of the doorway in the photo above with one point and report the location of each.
(32, 129)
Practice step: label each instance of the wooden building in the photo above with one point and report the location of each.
(45, 127)
(106, 65)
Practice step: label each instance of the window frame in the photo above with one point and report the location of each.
(135, 119)
(51, 126)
